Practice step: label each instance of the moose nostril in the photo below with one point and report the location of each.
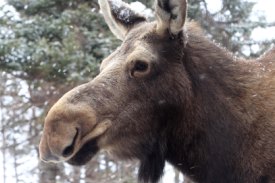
(70, 149)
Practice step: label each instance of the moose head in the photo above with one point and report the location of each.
(167, 93)
(129, 106)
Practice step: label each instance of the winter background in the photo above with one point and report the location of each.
(263, 7)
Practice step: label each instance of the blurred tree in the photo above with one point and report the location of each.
(60, 41)
(49, 46)
(231, 26)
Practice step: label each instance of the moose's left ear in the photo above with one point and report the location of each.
(119, 16)
(171, 15)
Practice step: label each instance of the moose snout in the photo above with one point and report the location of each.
(46, 155)
(68, 127)
(55, 147)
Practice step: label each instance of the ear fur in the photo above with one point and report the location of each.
(171, 15)
(119, 16)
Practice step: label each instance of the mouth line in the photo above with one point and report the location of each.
(85, 153)
(88, 146)
(70, 149)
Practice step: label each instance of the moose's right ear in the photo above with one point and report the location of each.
(119, 16)
(171, 15)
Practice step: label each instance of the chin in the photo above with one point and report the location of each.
(85, 153)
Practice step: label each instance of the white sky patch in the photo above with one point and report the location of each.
(266, 7)
(214, 5)
(260, 34)
(262, 7)
(2, 2)
(169, 174)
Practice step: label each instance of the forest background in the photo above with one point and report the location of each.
(48, 47)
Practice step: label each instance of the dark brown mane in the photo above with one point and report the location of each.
(220, 119)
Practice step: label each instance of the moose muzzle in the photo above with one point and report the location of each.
(68, 127)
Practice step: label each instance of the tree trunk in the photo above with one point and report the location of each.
(76, 174)
(3, 136)
(3, 151)
(48, 172)
(15, 161)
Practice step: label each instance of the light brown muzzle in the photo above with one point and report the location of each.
(67, 128)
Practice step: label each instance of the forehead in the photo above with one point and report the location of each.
(143, 33)
(136, 42)
(144, 37)
(142, 41)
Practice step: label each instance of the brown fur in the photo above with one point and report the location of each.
(195, 105)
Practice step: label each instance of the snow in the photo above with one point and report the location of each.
(9, 10)
(142, 9)
(119, 8)
(117, 3)
(123, 12)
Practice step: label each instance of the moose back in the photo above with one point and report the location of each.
(169, 94)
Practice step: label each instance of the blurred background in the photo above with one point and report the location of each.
(48, 47)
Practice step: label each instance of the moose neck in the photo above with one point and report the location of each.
(212, 129)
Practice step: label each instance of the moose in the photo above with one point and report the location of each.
(170, 94)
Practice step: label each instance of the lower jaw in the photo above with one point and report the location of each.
(85, 154)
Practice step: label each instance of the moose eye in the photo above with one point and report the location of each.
(139, 68)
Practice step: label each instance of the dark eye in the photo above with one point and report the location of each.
(139, 68)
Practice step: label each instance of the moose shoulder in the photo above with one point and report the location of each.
(169, 94)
